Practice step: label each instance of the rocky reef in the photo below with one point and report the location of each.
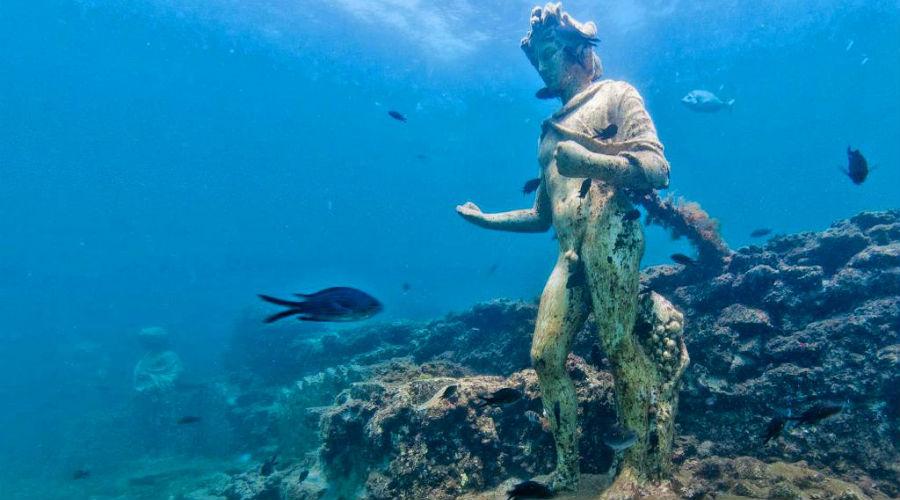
(397, 410)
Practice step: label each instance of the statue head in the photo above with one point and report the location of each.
(561, 49)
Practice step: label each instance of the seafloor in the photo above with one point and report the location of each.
(805, 318)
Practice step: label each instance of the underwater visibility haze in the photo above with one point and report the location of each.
(165, 164)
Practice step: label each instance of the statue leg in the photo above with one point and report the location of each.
(561, 314)
(612, 254)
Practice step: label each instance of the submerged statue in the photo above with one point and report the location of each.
(597, 153)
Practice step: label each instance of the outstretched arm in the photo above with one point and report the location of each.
(640, 164)
(530, 220)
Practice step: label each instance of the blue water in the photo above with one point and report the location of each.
(162, 162)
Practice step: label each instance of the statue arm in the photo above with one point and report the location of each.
(529, 220)
(640, 165)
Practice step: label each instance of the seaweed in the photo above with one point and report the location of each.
(687, 219)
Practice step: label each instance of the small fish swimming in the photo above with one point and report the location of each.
(81, 474)
(619, 438)
(406, 287)
(531, 186)
(397, 116)
(705, 101)
(268, 467)
(546, 93)
(857, 166)
(529, 489)
(493, 269)
(577, 278)
(585, 187)
(773, 430)
(684, 260)
(302, 476)
(817, 413)
(331, 304)
(631, 215)
(759, 233)
(607, 133)
(504, 396)
(189, 419)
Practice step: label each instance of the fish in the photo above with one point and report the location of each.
(449, 391)
(817, 413)
(556, 412)
(705, 101)
(504, 396)
(857, 166)
(397, 116)
(336, 304)
(189, 419)
(302, 476)
(531, 186)
(619, 438)
(81, 474)
(631, 215)
(684, 260)
(529, 489)
(759, 233)
(607, 133)
(268, 467)
(422, 156)
(406, 287)
(773, 430)
(493, 269)
(577, 278)
(585, 187)
(546, 93)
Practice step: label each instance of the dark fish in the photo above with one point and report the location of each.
(817, 413)
(189, 419)
(422, 156)
(631, 215)
(545, 93)
(493, 269)
(556, 412)
(331, 304)
(406, 287)
(585, 187)
(531, 186)
(619, 438)
(684, 260)
(774, 428)
(759, 233)
(302, 476)
(577, 278)
(607, 133)
(529, 489)
(857, 166)
(449, 391)
(81, 474)
(268, 467)
(397, 116)
(503, 396)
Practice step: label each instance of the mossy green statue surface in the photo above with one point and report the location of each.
(588, 168)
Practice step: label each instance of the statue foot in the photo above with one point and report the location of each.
(560, 481)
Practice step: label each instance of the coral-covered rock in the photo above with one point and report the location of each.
(434, 437)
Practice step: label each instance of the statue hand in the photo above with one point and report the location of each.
(470, 212)
(569, 156)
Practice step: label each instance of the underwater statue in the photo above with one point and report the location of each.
(597, 153)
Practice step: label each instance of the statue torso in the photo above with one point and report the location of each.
(592, 110)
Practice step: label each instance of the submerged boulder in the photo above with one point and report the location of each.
(434, 437)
